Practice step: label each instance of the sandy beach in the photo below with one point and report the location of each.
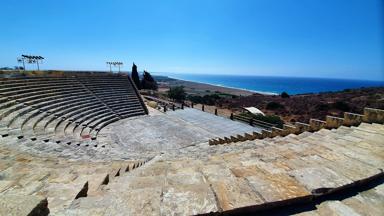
(199, 88)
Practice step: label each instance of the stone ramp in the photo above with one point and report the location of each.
(249, 176)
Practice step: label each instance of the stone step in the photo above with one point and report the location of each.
(23, 205)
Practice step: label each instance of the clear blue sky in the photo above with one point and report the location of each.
(312, 38)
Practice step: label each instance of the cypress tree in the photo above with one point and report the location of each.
(148, 82)
(135, 76)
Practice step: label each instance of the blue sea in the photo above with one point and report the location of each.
(276, 85)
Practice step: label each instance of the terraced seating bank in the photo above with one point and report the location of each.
(69, 109)
(326, 172)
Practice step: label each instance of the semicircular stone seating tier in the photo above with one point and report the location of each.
(67, 110)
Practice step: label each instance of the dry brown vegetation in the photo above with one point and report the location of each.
(303, 107)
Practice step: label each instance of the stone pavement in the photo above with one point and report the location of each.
(172, 130)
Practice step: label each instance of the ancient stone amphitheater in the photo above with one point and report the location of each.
(86, 144)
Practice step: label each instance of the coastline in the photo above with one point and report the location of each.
(275, 85)
(230, 88)
(200, 88)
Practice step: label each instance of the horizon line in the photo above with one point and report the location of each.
(199, 73)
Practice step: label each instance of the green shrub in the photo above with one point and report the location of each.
(322, 107)
(177, 93)
(284, 95)
(206, 99)
(272, 119)
(274, 105)
(340, 105)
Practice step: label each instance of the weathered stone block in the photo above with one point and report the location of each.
(373, 115)
(334, 122)
(276, 132)
(212, 142)
(233, 139)
(23, 205)
(257, 135)
(241, 137)
(317, 124)
(216, 141)
(249, 136)
(266, 133)
(301, 127)
(352, 119)
(290, 129)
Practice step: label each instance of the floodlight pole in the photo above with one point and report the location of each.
(22, 60)
(115, 64)
(31, 60)
(110, 66)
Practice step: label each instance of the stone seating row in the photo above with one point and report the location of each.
(59, 108)
(246, 177)
(120, 96)
(32, 80)
(25, 113)
(55, 182)
(350, 119)
(38, 88)
(42, 103)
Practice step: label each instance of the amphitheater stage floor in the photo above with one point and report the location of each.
(172, 130)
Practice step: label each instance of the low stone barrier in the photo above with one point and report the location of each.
(373, 115)
(302, 127)
(290, 129)
(350, 119)
(317, 124)
(334, 122)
